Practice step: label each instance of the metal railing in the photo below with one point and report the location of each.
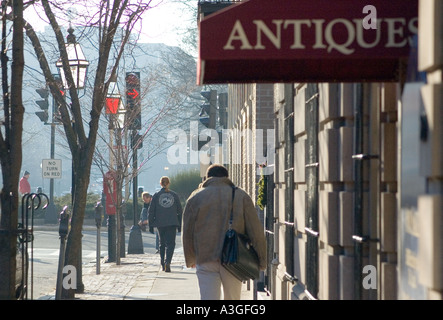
(29, 204)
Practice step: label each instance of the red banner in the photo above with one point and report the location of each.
(110, 190)
(306, 41)
(112, 105)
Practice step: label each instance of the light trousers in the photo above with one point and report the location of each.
(212, 277)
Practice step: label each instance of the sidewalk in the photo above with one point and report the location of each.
(139, 277)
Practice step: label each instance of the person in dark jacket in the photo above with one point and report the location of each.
(165, 213)
(144, 214)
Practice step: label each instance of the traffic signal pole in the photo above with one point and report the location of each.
(43, 104)
(135, 244)
(212, 109)
(208, 117)
(51, 214)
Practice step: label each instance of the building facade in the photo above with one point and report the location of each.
(354, 204)
(335, 191)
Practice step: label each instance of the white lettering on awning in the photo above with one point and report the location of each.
(325, 34)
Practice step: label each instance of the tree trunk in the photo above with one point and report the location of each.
(8, 244)
(11, 152)
(118, 216)
(82, 146)
(74, 243)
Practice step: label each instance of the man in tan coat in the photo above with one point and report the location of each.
(205, 222)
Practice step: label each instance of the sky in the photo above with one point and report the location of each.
(159, 24)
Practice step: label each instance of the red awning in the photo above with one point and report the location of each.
(306, 41)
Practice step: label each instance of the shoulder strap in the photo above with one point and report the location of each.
(232, 207)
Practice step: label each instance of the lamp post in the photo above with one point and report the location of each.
(116, 112)
(78, 66)
(135, 243)
(76, 60)
(51, 214)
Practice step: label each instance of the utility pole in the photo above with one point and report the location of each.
(51, 213)
(208, 117)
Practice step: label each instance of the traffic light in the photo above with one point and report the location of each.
(56, 116)
(43, 116)
(202, 143)
(197, 144)
(204, 115)
(43, 104)
(133, 100)
(222, 109)
(140, 191)
(209, 109)
(137, 141)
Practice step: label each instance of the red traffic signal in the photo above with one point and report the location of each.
(133, 93)
(133, 100)
(132, 85)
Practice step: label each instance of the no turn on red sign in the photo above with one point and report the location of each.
(52, 168)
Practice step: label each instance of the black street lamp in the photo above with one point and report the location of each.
(116, 112)
(78, 66)
(76, 60)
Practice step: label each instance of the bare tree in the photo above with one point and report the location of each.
(165, 91)
(10, 145)
(107, 17)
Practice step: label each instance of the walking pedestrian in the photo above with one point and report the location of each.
(157, 241)
(205, 222)
(24, 186)
(143, 223)
(165, 213)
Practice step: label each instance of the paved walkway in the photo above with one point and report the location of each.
(139, 277)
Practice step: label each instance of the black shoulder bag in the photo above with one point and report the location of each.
(238, 255)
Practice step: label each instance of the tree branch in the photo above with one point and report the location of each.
(66, 119)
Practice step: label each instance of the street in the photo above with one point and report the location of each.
(45, 256)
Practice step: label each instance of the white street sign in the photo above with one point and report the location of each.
(52, 168)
